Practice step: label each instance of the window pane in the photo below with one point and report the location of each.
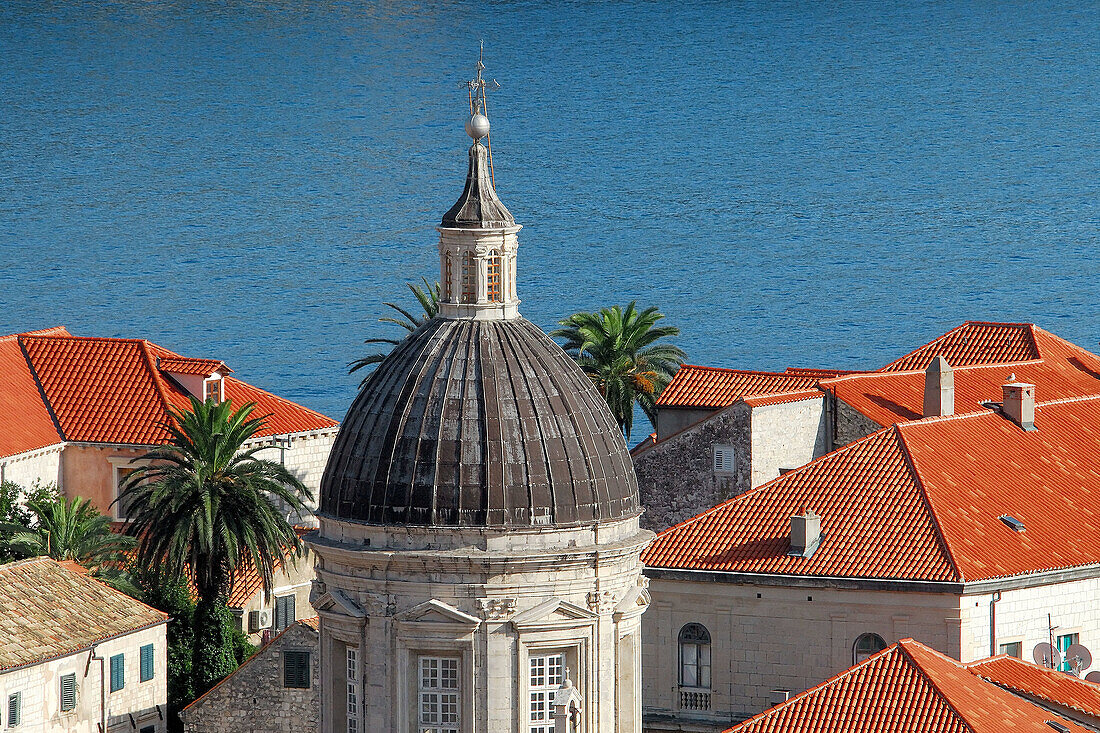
(690, 677)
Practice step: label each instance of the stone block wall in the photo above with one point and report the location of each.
(676, 477)
(767, 638)
(43, 466)
(850, 424)
(253, 699)
(786, 436)
(305, 458)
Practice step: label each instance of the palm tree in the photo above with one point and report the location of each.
(204, 507)
(72, 529)
(616, 348)
(428, 297)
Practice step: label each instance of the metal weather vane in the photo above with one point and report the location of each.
(476, 87)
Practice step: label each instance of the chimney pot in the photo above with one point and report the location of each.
(939, 388)
(1018, 402)
(805, 534)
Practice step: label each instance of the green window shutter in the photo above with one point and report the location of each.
(15, 709)
(284, 612)
(68, 692)
(118, 672)
(148, 670)
(296, 669)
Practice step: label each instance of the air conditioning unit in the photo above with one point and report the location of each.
(258, 620)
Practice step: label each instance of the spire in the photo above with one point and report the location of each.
(477, 237)
(478, 206)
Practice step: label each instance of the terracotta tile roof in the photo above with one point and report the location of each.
(186, 365)
(49, 611)
(919, 501)
(109, 390)
(972, 343)
(19, 396)
(908, 688)
(1043, 683)
(1058, 368)
(715, 388)
(313, 623)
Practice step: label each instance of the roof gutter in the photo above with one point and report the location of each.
(80, 650)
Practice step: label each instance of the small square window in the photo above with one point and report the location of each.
(212, 389)
(296, 669)
(1012, 649)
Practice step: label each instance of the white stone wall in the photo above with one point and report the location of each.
(42, 465)
(786, 435)
(1021, 615)
(767, 638)
(40, 686)
(305, 458)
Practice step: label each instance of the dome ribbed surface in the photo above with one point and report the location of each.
(479, 423)
(478, 206)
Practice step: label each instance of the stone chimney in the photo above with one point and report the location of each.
(1018, 403)
(939, 388)
(805, 534)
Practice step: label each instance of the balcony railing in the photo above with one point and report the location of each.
(694, 698)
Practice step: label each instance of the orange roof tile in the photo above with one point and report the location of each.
(185, 365)
(109, 390)
(48, 610)
(1058, 368)
(715, 388)
(908, 688)
(919, 501)
(973, 343)
(1044, 683)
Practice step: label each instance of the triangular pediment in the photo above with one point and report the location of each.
(552, 612)
(334, 601)
(436, 611)
(634, 599)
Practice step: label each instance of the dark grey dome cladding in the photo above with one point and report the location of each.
(479, 423)
(478, 206)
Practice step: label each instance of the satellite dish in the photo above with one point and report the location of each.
(1078, 656)
(1093, 677)
(1046, 655)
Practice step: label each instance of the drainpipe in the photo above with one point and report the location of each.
(993, 622)
(102, 689)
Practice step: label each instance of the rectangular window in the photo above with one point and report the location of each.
(547, 675)
(1064, 643)
(494, 279)
(148, 670)
(353, 689)
(118, 672)
(447, 278)
(68, 692)
(212, 390)
(121, 474)
(1012, 649)
(438, 694)
(723, 459)
(469, 278)
(284, 612)
(15, 709)
(296, 669)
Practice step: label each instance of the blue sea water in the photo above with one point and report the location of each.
(793, 183)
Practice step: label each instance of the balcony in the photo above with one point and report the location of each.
(694, 698)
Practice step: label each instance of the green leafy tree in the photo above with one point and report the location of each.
(73, 529)
(172, 594)
(617, 348)
(205, 507)
(427, 297)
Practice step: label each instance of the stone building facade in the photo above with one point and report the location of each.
(77, 656)
(478, 555)
(276, 690)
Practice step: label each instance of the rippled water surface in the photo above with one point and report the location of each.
(803, 184)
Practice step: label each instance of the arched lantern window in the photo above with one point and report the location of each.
(496, 292)
(867, 645)
(447, 275)
(469, 277)
(694, 656)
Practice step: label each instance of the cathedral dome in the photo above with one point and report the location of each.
(481, 424)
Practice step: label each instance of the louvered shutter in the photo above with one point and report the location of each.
(118, 672)
(68, 692)
(296, 669)
(147, 668)
(15, 709)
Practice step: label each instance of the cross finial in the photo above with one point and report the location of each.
(478, 85)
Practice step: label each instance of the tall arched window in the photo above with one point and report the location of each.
(867, 645)
(447, 274)
(695, 656)
(496, 293)
(469, 277)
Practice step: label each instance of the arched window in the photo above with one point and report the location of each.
(695, 656)
(866, 646)
(469, 277)
(447, 277)
(495, 290)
